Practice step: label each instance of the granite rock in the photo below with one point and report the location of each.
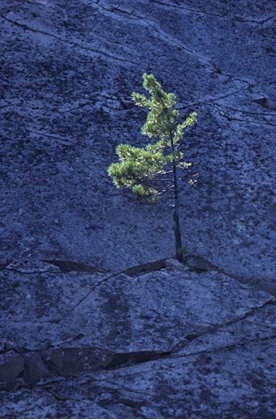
(97, 319)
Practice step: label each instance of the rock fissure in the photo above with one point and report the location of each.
(188, 9)
(61, 397)
(64, 140)
(258, 22)
(136, 270)
(220, 16)
(70, 43)
(194, 262)
(17, 270)
(51, 361)
(165, 36)
(219, 328)
(226, 348)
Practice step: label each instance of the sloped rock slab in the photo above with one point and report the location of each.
(233, 382)
(169, 343)
(108, 310)
(86, 343)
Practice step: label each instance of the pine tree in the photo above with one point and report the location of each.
(151, 171)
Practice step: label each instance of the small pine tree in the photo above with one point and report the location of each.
(151, 171)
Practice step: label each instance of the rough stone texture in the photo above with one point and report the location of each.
(34, 368)
(168, 343)
(100, 321)
(11, 365)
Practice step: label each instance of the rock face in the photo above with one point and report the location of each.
(170, 343)
(97, 319)
(11, 365)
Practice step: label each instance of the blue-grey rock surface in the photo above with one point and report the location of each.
(83, 333)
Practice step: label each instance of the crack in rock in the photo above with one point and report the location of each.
(34, 366)
(68, 266)
(71, 43)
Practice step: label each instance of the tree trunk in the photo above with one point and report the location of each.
(176, 217)
(177, 232)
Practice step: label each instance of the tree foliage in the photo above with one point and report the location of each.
(144, 169)
(152, 170)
